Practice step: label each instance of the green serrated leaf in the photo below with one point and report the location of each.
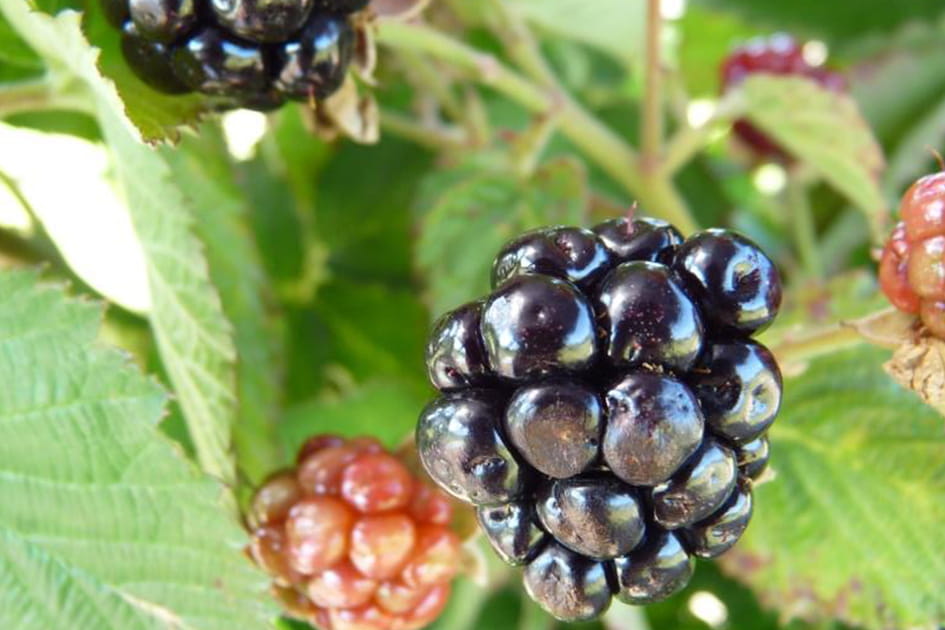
(851, 525)
(102, 523)
(468, 213)
(613, 26)
(826, 131)
(202, 171)
(193, 335)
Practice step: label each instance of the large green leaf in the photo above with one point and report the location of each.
(826, 131)
(201, 169)
(467, 213)
(851, 526)
(103, 524)
(193, 336)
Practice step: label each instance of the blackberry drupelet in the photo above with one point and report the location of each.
(605, 409)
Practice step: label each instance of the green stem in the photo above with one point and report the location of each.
(689, 140)
(598, 142)
(651, 121)
(802, 227)
(436, 138)
(824, 341)
(32, 95)
(520, 43)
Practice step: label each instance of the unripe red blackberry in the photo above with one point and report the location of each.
(778, 54)
(605, 408)
(353, 540)
(912, 266)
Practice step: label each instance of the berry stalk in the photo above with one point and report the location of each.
(651, 122)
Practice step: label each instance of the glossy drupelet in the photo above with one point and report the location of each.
(912, 267)
(353, 540)
(605, 409)
(778, 54)
(244, 53)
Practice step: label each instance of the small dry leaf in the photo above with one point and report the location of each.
(919, 365)
(399, 9)
(346, 113)
(888, 328)
(365, 50)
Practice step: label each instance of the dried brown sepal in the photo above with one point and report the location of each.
(919, 365)
(345, 113)
(888, 328)
(365, 49)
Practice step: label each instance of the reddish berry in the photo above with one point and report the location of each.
(430, 506)
(366, 444)
(912, 267)
(367, 617)
(397, 598)
(376, 482)
(294, 603)
(274, 499)
(382, 544)
(434, 557)
(268, 549)
(317, 443)
(341, 586)
(428, 609)
(926, 267)
(923, 208)
(894, 272)
(320, 473)
(778, 54)
(353, 541)
(317, 531)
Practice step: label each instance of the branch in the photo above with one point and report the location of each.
(598, 142)
(795, 351)
(36, 95)
(651, 122)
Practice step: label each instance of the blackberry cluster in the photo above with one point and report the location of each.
(912, 268)
(254, 53)
(352, 540)
(605, 408)
(778, 54)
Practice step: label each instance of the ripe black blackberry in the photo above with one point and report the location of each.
(247, 53)
(605, 409)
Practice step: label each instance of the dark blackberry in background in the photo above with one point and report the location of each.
(245, 53)
(605, 409)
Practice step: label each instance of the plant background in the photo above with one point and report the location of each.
(175, 318)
